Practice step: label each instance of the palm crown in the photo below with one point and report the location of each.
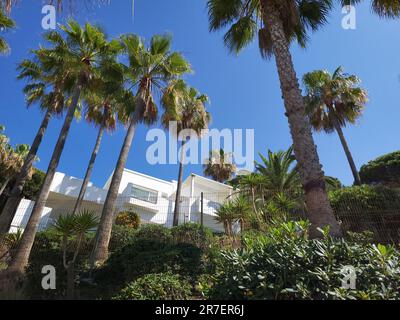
(185, 106)
(150, 71)
(246, 21)
(383, 8)
(219, 166)
(333, 99)
(5, 24)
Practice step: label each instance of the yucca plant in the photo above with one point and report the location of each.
(72, 228)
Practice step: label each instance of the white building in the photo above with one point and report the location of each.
(152, 198)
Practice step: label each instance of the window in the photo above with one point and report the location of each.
(144, 194)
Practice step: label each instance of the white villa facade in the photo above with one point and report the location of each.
(152, 198)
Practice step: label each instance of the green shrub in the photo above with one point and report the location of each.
(128, 219)
(121, 236)
(364, 199)
(384, 170)
(162, 286)
(154, 232)
(194, 234)
(285, 264)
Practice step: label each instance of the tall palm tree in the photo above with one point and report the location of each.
(186, 108)
(219, 166)
(5, 24)
(333, 101)
(81, 53)
(277, 23)
(45, 88)
(149, 72)
(102, 106)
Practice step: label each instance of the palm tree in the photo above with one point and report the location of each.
(232, 211)
(5, 24)
(253, 186)
(185, 107)
(80, 53)
(11, 161)
(281, 171)
(72, 229)
(45, 88)
(219, 166)
(383, 8)
(333, 101)
(102, 106)
(150, 71)
(277, 23)
(7, 4)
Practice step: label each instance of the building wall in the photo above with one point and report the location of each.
(24, 212)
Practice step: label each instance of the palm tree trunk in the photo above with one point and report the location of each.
(179, 187)
(103, 234)
(356, 175)
(89, 171)
(21, 258)
(14, 198)
(3, 186)
(320, 212)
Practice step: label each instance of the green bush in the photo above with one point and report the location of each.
(364, 199)
(154, 232)
(128, 219)
(285, 264)
(194, 234)
(384, 170)
(162, 286)
(121, 236)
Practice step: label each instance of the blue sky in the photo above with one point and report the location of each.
(244, 89)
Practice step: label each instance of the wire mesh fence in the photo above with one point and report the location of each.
(380, 215)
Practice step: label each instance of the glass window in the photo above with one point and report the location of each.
(144, 194)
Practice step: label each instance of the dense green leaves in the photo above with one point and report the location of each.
(384, 170)
(162, 286)
(284, 264)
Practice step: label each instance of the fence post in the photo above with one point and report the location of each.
(202, 210)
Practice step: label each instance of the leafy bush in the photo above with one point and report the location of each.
(162, 286)
(194, 234)
(128, 219)
(384, 170)
(285, 264)
(364, 199)
(121, 236)
(154, 232)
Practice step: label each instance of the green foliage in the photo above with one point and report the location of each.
(364, 199)
(285, 264)
(154, 232)
(193, 233)
(186, 250)
(384, 170)
(6, 23)
(47, 250)
(121, 236)
(128, 219)
(162, 286)
(32, 186)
